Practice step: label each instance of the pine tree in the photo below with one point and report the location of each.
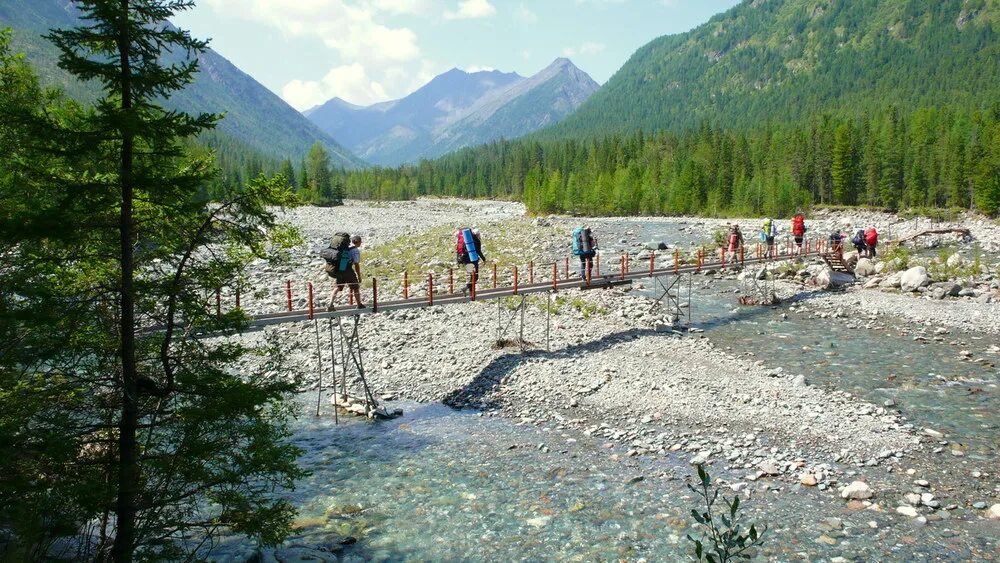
(112, 236)
(288, 173)
(842, 169)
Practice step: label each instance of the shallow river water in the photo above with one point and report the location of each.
(440, 484)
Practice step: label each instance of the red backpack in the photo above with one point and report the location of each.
(871, 237)
(798, 225)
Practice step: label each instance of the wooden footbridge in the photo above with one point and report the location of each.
(668, 271)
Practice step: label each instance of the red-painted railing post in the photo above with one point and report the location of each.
(652, 263)
(515, 280)
(621, 267)
(555, 276)
(677, 261)
(430, 288)
(742, 258)
(597, 264)
(566, 270)
(451, 281)
(406, 285)
(722, 256)
(494, 275)
(374, 295)
(531, 272)
(310, 300)
(288, 293)
(237, 297)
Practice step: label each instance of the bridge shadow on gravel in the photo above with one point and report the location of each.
(490, 377)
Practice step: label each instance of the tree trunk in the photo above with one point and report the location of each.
(128, 470)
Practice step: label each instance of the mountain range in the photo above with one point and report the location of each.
(454, 110)
(781, 61)
(255, 117)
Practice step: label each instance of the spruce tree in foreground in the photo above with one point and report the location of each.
(159, 440)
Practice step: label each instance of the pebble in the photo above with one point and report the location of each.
(858, 490)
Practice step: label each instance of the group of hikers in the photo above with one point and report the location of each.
(343, 256)
(343, 260)
(864, 240)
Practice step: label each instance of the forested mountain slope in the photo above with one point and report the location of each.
(255, 116)
(781, 61)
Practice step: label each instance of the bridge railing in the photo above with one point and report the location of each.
(440, 285)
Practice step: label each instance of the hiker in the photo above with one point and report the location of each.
(858, 240)
(798, 231)
(469, 249)
(343, 264)
(768, 232)
(735, 242)
(585, 246)
(871, 241)
(837, 241)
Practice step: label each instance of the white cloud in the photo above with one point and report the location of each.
(348, 26)
(471, 9)
(585, 48)
(478, 68)
(349, 82)
(525, 15)
(418, 7)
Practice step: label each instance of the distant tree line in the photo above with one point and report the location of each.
(927, 158)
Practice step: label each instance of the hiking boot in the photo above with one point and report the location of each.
(330, 308)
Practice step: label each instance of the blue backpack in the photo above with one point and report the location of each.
(577, 237)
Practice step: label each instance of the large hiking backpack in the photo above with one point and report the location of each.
(768, 224)
(466, 247)
(859, 238)
(871, 237)
(798, 225)
(582, 242)
(338, 254)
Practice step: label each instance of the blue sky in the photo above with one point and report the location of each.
(365, 51)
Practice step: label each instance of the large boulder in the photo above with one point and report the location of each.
(851, 258)
(864, 268)
(828, 279)
(955, 260)
(941, 290)
(914, 278)
(891, 281)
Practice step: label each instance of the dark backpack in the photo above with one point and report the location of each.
(859, 238)
(338, 254)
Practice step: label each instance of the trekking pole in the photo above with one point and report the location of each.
(430, 289)
(374, 295)
(310, 301)
(288, 293)
(406, 285)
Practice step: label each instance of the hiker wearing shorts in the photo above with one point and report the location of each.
(798, 231)
(735, 241)
(471, 257)
(349, 276)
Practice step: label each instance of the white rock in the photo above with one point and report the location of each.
(914, 278)
(907, 511)
(994, 512)
(864, 268)
(857, 490)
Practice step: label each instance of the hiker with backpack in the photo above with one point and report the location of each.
(469, 250)
(871, 241)
(343, 264)
(858, 240)
(734, 242)
(837, 241)
(585, 247)
(798, 231)
(768, 232)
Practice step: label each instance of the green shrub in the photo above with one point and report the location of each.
(723, 538)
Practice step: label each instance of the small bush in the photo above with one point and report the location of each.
(723, 539)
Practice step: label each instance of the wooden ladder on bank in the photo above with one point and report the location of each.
(836, 262)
